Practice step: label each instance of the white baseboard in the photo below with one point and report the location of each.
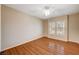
(52, 37)
(49, 36)
(35, 38)
(74, 41)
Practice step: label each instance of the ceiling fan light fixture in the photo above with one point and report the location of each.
(46, 10)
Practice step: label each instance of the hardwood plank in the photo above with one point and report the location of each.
(44, 46)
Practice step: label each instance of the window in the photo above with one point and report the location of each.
(52, 28)
(56, 28)
(60, 28)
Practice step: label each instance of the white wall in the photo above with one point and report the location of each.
(0, 27)
(18, 28)
(74, 28)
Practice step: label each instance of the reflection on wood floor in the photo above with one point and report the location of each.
(44, 46)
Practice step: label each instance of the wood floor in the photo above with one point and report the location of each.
(44, 46)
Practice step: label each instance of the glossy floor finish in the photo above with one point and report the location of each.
(44, 46)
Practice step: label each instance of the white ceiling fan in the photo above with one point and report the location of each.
(48, 10)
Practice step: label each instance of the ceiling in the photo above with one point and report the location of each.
(37, 10)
